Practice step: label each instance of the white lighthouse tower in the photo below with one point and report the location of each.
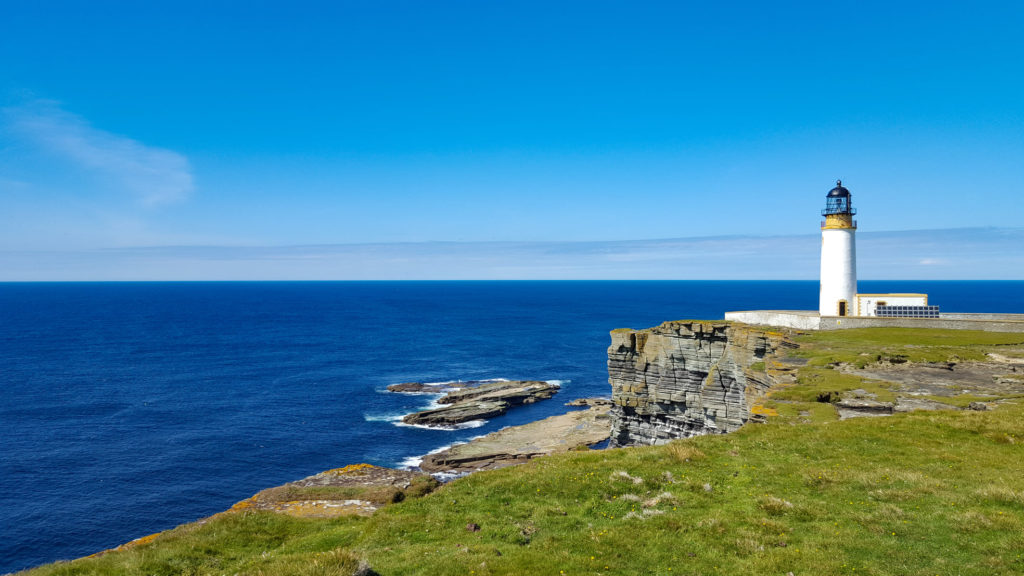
(838, 254)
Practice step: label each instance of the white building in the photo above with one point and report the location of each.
(838, 292)
(889, 304)
(838, 254)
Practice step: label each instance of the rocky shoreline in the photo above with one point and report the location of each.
(474, 400)
(360, 489)
(675, 380)
(516, 444)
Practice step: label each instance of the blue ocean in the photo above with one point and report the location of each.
(130, 408)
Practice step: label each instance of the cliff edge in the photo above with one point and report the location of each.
(687, 378)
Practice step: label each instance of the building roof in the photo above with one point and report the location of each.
(838, 191)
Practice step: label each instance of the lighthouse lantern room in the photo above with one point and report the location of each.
(838, 254)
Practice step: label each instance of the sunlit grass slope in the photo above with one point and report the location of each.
(920, 493)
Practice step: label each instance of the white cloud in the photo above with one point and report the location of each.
(968, 254)
(153, 175)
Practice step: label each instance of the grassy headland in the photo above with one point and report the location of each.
(931, 492)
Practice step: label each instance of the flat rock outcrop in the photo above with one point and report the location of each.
(517, 444)
(589, 402)
(358, 489)
(482, 401)
(457, 413)
(511, 391)
(932, 385)
(687, 378)
(438, 387)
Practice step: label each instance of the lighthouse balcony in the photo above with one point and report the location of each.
(844, 209)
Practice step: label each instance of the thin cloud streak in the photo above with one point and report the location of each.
(958, 254)
(155, 176)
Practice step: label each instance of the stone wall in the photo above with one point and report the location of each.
(808, 320)
(686, 378)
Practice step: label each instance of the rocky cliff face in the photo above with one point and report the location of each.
(686, 378)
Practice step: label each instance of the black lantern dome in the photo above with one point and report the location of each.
(838, 201)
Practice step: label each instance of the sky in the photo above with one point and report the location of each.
(502, 140)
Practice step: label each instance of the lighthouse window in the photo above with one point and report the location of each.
(907, 311)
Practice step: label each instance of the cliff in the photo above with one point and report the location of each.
(687, 378)
(913, 481)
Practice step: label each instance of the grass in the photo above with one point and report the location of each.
(864, 346)
(918, 493)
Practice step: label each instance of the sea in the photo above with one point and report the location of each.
(130, 408)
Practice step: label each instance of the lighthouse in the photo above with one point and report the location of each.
(838, 254)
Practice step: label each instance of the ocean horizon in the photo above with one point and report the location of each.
(133, 407)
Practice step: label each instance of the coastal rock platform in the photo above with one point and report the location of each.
(935, 385)
(517, 444)
(475, 400)
(357, 489)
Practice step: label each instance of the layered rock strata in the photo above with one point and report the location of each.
(480, 401)
(687, 378)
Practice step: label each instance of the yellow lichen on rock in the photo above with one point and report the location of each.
(762, 410)
(245, 504)
(348, 469)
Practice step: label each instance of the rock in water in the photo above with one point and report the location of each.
(413, 387)
(686, 378)
(482, 401)
(457, 413)
(511, 391)
(517, 444)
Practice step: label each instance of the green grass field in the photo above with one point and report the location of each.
(920, 493)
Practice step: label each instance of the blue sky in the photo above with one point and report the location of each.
(250, 140)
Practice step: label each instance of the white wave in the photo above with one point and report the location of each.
(396, 418)
(558, 382)
(444, 477)
(446, 386)
(383, 417)
(415, 461)
(434, 404)
(437, 390)
(410, 462)
(464, 382)
(460, 426)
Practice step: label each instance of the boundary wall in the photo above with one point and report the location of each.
(810, 320)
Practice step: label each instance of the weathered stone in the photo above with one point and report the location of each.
(458, 413)
(589, 402)
(865, 405)
(686, 378)
(517, 444)
(514, 392)
(358, 489)
(436, 387)
(411, 387)
(482, 400)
